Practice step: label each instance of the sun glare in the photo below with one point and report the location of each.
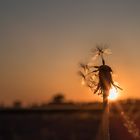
(113, 94)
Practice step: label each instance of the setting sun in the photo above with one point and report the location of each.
(113, 94)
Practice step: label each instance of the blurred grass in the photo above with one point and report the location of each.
(60, 122)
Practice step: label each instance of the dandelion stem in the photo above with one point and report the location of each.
(105, 127)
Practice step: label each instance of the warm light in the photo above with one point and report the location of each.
(113, 94)
(83, 81)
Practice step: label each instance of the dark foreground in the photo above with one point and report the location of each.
(63, 124)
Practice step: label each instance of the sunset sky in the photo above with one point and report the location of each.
(42, 42)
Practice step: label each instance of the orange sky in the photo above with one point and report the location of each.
(43, 42)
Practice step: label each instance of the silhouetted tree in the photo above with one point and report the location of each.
(2, 105)
(17, 104)
(58, 98)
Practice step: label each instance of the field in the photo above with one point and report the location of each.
(68, 122)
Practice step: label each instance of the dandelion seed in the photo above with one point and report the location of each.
(99, 80)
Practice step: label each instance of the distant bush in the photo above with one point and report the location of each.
(58, 99)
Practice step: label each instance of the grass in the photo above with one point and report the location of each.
(63, 123)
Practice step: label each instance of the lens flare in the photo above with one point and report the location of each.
(113, 94)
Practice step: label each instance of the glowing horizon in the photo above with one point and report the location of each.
(42, 46)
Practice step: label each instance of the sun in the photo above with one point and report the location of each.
(113, 94)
